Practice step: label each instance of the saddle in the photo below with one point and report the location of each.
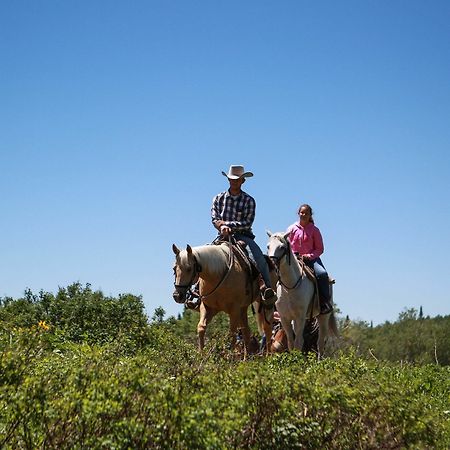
(240, 251)
(314, 306)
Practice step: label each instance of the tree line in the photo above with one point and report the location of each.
(79, 314)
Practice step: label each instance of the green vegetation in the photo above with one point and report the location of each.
(412, 339)
(80, 370)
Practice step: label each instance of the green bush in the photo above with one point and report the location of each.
(411, 339)
(169, 395)
(78, 314)
(81, 370)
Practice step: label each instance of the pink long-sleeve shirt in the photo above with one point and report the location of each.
(306, 240)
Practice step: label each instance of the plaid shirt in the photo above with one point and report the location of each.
(238, 212)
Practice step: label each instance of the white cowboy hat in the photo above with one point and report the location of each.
(235, 172)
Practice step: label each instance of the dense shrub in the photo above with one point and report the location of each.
(78, 314)
(168, 395)
(81, 370)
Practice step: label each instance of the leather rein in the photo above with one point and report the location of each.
(198, 271)
(287, 252)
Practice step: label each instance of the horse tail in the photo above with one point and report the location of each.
(332, 324)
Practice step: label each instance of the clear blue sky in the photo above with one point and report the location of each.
(117, 118)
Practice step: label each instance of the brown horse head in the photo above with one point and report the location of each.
(186, 271)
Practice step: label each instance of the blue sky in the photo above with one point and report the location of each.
(117, 118)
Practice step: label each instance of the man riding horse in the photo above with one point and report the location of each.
(233, 213)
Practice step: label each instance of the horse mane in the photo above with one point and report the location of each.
(214, 257)
(282, 238)
(280, 235)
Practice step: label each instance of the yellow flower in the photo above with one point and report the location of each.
(43, 325)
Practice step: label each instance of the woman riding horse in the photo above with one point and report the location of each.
(306, 240)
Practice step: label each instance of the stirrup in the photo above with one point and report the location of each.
(326, 309)
(268, 297)
(193, 304)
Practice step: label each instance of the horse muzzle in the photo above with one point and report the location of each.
(179, 297)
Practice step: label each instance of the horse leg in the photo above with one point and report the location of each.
(323, 333)
(267, 326)
(264, 318)
(299, 325)
(287, 327)
(245, 328)
(239, 321)
(206, 314)
(234, 323)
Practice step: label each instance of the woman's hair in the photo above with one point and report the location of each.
(310, 211)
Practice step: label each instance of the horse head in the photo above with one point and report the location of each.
(186, 271)
(278, 246)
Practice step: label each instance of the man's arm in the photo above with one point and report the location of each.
(216, 216)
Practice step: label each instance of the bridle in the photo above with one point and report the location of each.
(288, 253)
(198, 270)
(195, 276)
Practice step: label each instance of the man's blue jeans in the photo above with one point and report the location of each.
(258, 256)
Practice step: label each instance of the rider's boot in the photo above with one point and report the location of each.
(194, 300)
(193, 304)
(325, 305)
(268, 296)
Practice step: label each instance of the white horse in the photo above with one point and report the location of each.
(295, 295)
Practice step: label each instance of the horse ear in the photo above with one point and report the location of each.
(175, 249)
(286, 235)
(189, 249)
(269, 233)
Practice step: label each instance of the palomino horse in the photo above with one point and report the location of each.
(295, 295)
(225, 285)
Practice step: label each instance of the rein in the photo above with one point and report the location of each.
(198, 270)
(230, 266)
(195, 276)
(288, 253)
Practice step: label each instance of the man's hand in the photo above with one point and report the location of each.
(218, 224)
(225, 230)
